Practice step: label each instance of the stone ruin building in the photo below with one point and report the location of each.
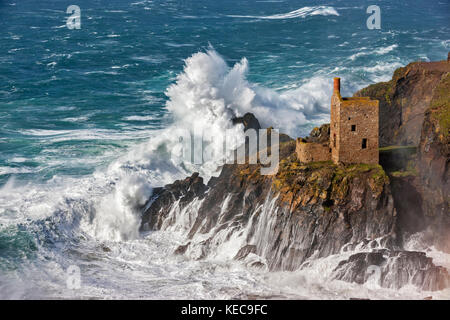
(353, 132)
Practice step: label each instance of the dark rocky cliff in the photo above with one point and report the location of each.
(415, 111)
(433, 164)
(404, 100)
(309, 211)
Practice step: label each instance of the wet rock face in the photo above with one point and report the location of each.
(433, 164)
(281, 222)
(393, 269)
(304, 212)
(181, 191)
(284, 219)
(323, 207)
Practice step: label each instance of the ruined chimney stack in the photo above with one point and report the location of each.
(337, 85)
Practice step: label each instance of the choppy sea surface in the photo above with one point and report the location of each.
(87, 121)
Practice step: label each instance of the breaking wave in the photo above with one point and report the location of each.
(299, 13)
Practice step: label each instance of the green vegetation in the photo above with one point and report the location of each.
(440, 105)
(381, 91)
(413, 149)
(399, 161)
(384, 91)
(308, 183)
(399, 174)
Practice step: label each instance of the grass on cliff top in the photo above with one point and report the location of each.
(291, 170)
(440, 105)
(384, 90)
(402, 174)
(399, 161)
(395, 148)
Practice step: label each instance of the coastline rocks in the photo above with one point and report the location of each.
(393, 269)
(303, 210)
(181, 191)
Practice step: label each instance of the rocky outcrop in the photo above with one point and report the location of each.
(433, 164)
(183, 192)
(309, 211)
(393, 269)
(282, 222)
(319, 134)
(404, 100)
(302, 210)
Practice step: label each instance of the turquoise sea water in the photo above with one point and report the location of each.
(71, 100)
(82, 111)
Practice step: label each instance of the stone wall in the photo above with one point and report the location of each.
(354, 129)
(358, 121)
(310, 151)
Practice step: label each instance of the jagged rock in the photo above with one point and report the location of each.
(393, 269)
(304, 209)
(245, 251)
(162, 199)
(248, 120)
(404, 99)
(182, 249)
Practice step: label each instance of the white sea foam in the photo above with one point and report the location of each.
(113, 73)
(19, 159)
(43, 132)
(76, 119)
(13, 170)
(85, 134)
(386, 49)
(154, 59)
(382, 71)
(139, 118)
(299, 13)
(365, 52)
(358, 54)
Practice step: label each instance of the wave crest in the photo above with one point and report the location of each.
(299, 13)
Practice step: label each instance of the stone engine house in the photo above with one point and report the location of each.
(353, 132)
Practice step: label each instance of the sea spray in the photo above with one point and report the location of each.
(118, 214)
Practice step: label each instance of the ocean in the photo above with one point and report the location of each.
(87, 122)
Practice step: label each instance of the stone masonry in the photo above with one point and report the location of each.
(353, 132)
(311, 151)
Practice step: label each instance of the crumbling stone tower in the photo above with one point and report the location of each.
(353, 128)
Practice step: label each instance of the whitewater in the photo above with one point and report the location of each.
(72, 190)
